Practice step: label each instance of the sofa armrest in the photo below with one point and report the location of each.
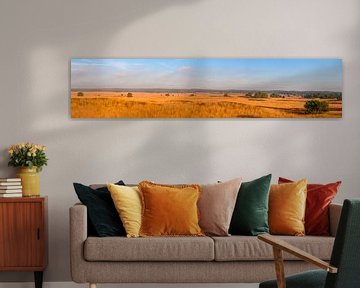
(78, 235)
(334, 216)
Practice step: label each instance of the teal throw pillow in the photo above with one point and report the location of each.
(250, 216)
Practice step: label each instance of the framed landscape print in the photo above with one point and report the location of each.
(206, 88)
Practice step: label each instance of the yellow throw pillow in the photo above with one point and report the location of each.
(169, 210)
(127, 201)
(287, 203)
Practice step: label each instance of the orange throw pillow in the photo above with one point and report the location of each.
(318, 200)
(169, 210)
(287, 204)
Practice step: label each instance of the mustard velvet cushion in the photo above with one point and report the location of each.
(287, 204)
(127, 201)
(169, 210)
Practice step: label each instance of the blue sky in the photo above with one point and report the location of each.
(257, 74)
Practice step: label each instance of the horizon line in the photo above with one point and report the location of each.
(201, 89)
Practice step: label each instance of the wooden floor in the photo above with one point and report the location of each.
(74, 285)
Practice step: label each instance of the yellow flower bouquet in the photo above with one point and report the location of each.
(27, 155)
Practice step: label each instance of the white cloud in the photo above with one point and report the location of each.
(184, 69)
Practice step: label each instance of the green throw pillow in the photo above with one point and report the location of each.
(250, 215)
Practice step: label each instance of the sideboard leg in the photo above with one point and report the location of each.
(38, 279)
(92, 285)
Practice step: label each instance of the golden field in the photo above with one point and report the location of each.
(109, 104)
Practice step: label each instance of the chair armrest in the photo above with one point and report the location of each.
(284, 246)
(334, 217)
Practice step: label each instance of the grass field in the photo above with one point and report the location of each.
(108, 104)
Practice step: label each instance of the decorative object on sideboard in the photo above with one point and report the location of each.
(30, 158)
(10, 187)
(31, 181)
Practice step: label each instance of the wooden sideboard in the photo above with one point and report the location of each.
(23, 235)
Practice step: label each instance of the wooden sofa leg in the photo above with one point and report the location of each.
(92, 285)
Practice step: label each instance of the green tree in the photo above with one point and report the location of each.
(80, 94)
(260, 94)
(129, 94)
(316, 107)
(275, 95)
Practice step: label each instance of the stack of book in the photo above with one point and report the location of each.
(10, 187)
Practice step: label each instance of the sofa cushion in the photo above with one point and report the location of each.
(102, 216)
(287, 204)
(318, 199)
(250, 215)
(216, 206)
(127, 201)
(169, 210)
(149, 249)
(244, 248)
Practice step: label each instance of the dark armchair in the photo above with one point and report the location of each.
(344, 268)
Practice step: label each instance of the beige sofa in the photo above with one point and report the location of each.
(234, 259)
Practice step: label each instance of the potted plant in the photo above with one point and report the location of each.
(30, 158)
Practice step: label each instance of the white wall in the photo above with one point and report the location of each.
(39, 37)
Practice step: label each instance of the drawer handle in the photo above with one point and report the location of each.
(38, 234)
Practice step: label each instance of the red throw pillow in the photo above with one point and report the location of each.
(319, 197)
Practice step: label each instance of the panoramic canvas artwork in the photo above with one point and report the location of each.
(206, 88)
